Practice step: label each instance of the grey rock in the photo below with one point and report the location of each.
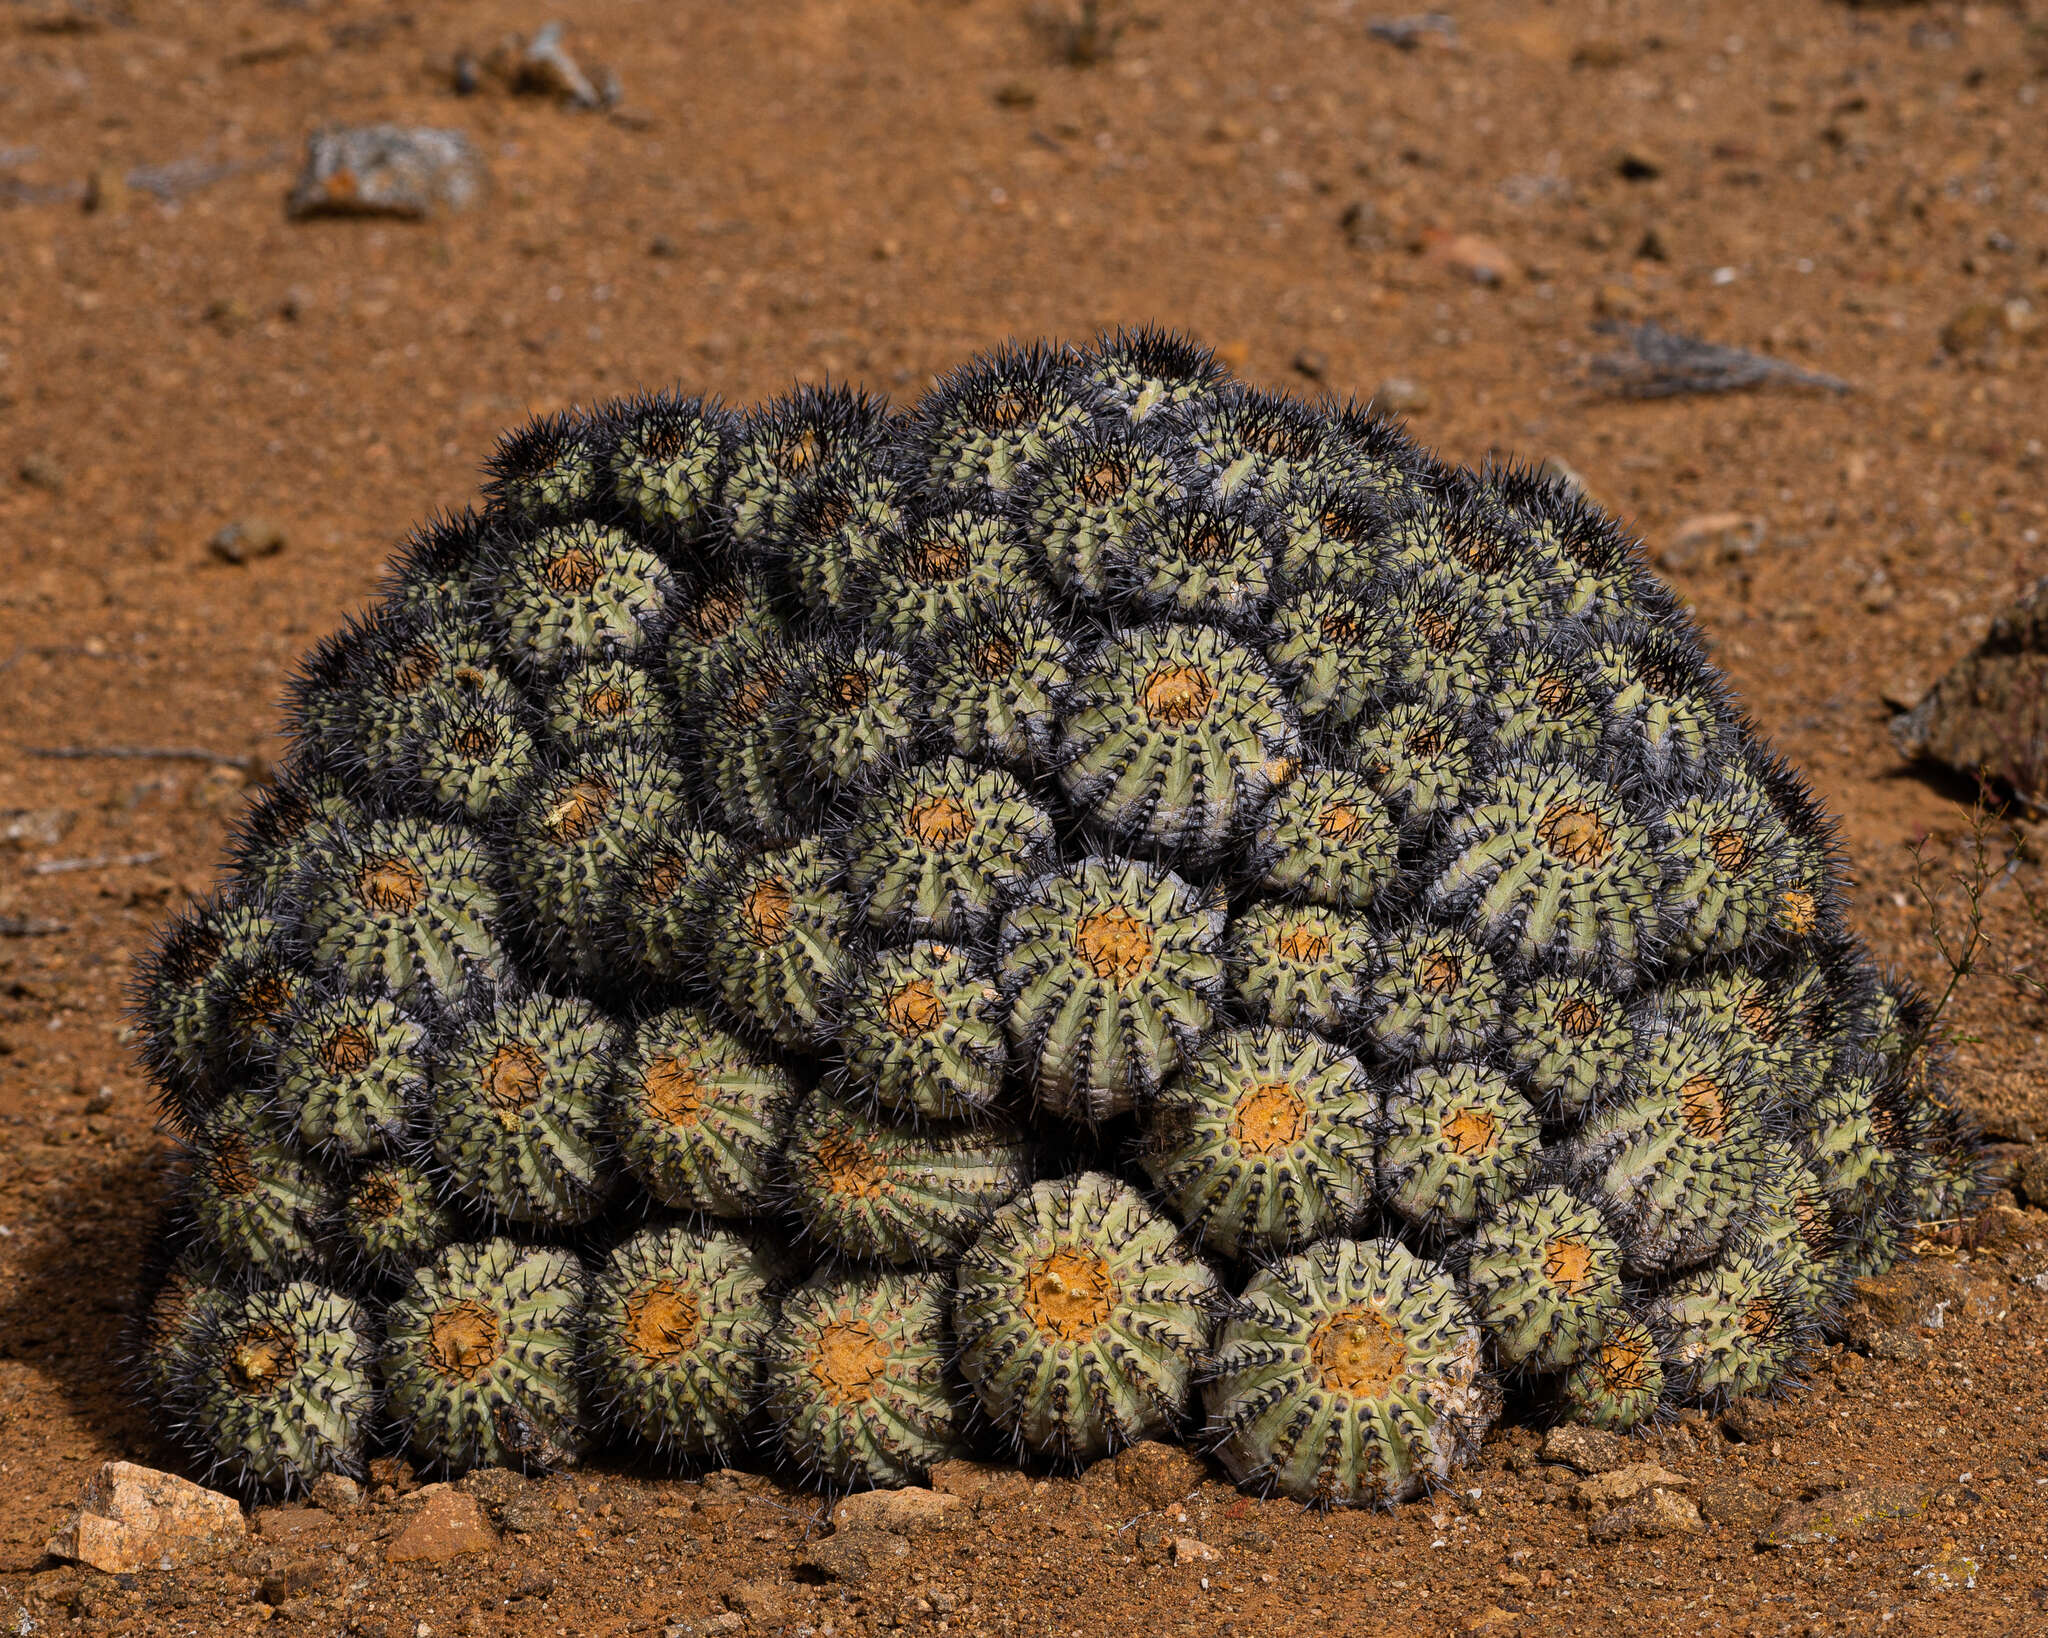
(1988, 718)
(409, 171)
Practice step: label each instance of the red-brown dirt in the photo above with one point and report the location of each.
(873, 191)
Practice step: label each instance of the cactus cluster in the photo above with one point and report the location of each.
(1107, 905)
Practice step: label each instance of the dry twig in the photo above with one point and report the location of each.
(1665, 363)
(149, 753)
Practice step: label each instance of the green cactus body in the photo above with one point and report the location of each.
(1334, 653)
(1657, 709)
(844, 711)
(574, 829)
(1086, 502)
(938, 850)
(1443, 656)
(1728, 863)
(699, 1116)
(889, 1194)
(1673, 1164)
(1197, 562)
(1791, 1222)
(1348, 1374)
(1080, 1318)
(578, 590)
(1336, 540)
(787, 451)
(856, 1379)
(472, 753)
(1256, 446)
(281, 1388)
(1594, 568)
(350, 1072)
(655, 906)
(271, 838)
(1328, 838)
(711, 623)
(1841, 1132)
(1550, 865)
(740, 740)
(602, 700)
(944, 571)
(776, 931)
(1303, 966)
(414, 674)
(405, 908)
(254, 1196)
(1541, 710)
(1544, 1273)
(1434, 994)
(189, 1004)
(837, 534)
(994, 683)
(1456, 1141)
(1735, 1327)
(991, 423)
(1474, 551)
(1619, 1383)
(921, 1033)
(1750, 1022)
(547, 470)
(389, 1218)
(669, 460)
(1176, 734)
(1110, 969)
(1419, 760)
(1146, 372)
(517, 1110)
(1264, 1142)
(676, 1328)
(1573, 1043)
(195, 1288)
(480, 1366)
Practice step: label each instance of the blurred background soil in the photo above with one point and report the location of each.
(215, 422)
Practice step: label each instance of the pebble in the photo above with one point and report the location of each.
(1399, 395)
(760, 1601)
(1478, 259)
(1658, 1512)
(1159, 1474)
(387, 170)
(1981, 718)
(1311, 363)
(1624, 1484)
(1712, 537)
(135, 1518)
(1184, 1550)
(1854, 1513)
(39, 470)
(336, 1493)
(897, 1512)
(450, 1525)
(545, 66)
(1590, 1450)
(247, 539)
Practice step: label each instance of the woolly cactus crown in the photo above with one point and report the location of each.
(860, 935)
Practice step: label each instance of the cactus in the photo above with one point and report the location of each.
(480, 1358)
(1349, 1373)
(676, 1327)
(1080, 1318)
(1264, 1142)
(750, 848)
(856, 1379)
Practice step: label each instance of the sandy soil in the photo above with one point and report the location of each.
(871, 191)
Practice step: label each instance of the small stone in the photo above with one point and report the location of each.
(1184, 1550)
(664, 249)
(1658, 1512)
(247, 539)
(1638, 164)
(1159, 1474)
(726, 1622)
(1973, 328)
(1984, 718)
(2030, 1177)
(1617, 301)
(1311, 363)
(1846, 1515)
(1399, 395)
(838, 1561)
(1555, 469)
(1478, 259)
(106, 192)
(282, 1586)
(1712, 537)
(1624, 1484)
(1590, 1450)
(970, 1481)
(1491, 1619)
(447, 1527)
(336, 1493)
(387, 170)
(299, 1524)
(135, 1518)
(545, 67)
(897, 1512)
(760, 1601)
(40, 470)
(1016, 94)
